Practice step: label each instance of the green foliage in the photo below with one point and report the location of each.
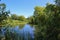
(22, 18)
(39, 15)
(31, 20)
(3, 13)
(16, 17)
(48, 22)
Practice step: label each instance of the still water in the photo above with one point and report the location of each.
(25, 32)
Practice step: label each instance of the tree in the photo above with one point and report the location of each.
(53, 22)
(47, 20)
(14, 17)
(31, 20)
(3, 13)
(38, 13)
(49, 23)
(22, 18)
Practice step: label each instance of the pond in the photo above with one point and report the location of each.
(25, 32)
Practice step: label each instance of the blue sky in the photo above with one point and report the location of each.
(24, 7)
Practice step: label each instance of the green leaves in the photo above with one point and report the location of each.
(3, 13)
(16, 17)
(48, 21)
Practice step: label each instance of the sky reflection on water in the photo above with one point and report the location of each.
(25, 33)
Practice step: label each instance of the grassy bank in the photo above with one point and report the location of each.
(13, 22)
(16, 22)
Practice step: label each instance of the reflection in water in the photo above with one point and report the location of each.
(16, 33)
(21, 26)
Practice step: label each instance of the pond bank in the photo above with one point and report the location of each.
(14, 22)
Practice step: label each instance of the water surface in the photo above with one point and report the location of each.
(25, 32)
